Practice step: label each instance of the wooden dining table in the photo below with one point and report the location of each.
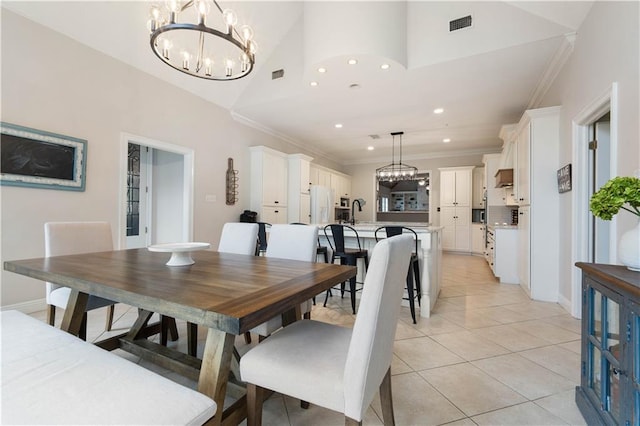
(228, 294)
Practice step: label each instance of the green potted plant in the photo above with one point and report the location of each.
(621, 193)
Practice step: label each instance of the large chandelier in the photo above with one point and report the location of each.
(396, 171)
(227, 53)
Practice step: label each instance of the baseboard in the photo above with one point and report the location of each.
(565, 303)
(27, 307)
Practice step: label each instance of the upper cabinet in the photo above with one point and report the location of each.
(479, 187)
(338, 182)
(455, 186)
(495, 196)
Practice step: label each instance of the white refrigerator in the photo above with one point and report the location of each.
(322, 209)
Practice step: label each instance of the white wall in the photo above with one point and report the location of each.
(606, 51)
(52, 83)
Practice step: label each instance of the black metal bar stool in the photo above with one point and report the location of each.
(261, 245)
(414, 266)
(347, 256)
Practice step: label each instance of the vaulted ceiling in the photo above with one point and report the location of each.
(483, 76)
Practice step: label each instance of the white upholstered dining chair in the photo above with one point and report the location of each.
(331, 366)
(65, 238)
(238, 238)
(293, 242)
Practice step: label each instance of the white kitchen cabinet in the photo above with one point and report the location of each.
(341, 186)
(455, 208)
(455, 186)
(299, 204)
(272, 214)
(523, 172)
(537, 152)
(269, 184)
(477, 238)
(494, 195)
(456, 235)
(479, 186)
(524, 243)
(505, 255)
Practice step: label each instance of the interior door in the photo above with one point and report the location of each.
(599, 174)
(138, 196)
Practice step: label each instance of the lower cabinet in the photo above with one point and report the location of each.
(609, 391)
(456, 235)
(273, 215)
(477, 238)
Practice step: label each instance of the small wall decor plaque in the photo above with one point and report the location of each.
(564, 179)
(39, 159)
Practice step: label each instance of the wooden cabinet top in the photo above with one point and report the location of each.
(619, 277)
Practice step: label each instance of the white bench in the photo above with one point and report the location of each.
(52, 377)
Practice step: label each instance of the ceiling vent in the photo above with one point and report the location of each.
(277, 74)
(460, 23)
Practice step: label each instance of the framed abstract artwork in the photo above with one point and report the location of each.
(39, 159)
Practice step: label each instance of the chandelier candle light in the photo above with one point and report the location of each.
(190, 47)
(396, 171)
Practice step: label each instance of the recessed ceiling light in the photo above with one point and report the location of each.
(446, 140)
(338, 126)
(385, 66)
(314, 83)
(352, 61)
(370, 148)
(438, 111)
(322, 69)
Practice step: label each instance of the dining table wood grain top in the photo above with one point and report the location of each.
(227, 293)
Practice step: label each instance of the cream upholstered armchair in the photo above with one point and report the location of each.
(331, 366)
(64, 238)
(292, 242)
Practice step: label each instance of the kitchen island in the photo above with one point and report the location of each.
(429, 255)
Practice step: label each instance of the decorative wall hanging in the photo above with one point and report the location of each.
(40, 159)
(232, 183)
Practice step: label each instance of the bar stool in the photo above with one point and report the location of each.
(414, 265)
(261, 245)
(347, 256)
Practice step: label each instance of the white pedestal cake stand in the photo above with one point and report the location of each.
(180, 252)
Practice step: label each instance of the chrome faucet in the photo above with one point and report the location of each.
(361, 203)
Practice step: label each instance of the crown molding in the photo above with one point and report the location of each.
(427, 156)
(268, 130)
(560, 58)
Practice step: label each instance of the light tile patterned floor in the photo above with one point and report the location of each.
(487, 356)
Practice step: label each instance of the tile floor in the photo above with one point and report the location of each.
(487, 356)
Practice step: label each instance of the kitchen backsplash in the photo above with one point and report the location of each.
(499, 214)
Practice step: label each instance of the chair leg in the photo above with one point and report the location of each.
(51, 314)
(352, 286)
(255, 396)
(110, 310)
(412, 305)
(416, 273)
(173, 329)
(247, 337)
(326, 297)
(386, 400)
(192, 338)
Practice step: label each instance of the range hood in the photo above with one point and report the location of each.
(504, 177)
